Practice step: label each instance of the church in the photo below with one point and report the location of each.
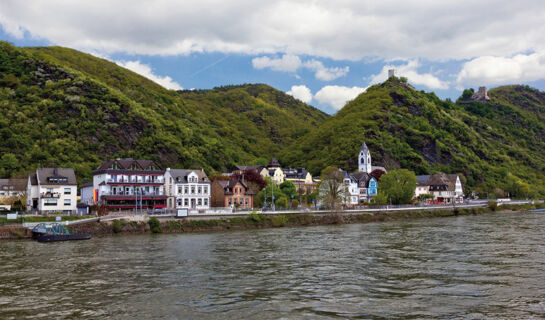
(363, 184)
(364, 162)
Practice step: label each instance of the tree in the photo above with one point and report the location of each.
(398, 185)
(377, 173)
(253, 178)
(266, 194)
(333, 191)
(281, 202)
(288, 188)
(9, 164)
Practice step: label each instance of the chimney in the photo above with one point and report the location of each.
(391, 73)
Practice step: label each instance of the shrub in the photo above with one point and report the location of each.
(295, 203)
(117, 226)
(254, 217)
(492, 205)
(279, 221)
(154, 225)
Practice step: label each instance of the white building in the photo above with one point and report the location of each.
(127, 184)
(187, 189)
(364, 160)
(51, 190)
(442, 188)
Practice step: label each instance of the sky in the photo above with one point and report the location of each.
(323, 53)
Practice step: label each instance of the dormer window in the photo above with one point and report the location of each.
(115, 166)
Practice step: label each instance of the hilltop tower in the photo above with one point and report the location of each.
(364, 159)
(391, 73)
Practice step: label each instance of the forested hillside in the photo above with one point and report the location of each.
(61, 107)
(497, 146)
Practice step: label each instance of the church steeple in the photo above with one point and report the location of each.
(364, 159)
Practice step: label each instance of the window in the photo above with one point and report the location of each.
(230, 201)
(192, 190)
(186, 190)
(199, 190)
(179, 189)
(179, 202)
(205, 202)
(246, 201)
(50, 202)
(67, 202)
(199, 202)
(186, 202)
(205, 189)
(240, 201)
(67, 191)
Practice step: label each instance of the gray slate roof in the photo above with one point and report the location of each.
(58, 176)
(14, 184)
(180, 175)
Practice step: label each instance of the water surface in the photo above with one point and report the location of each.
(474, 267)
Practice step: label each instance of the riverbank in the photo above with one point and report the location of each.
(257, 221)
(261, 221)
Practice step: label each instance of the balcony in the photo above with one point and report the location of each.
(131, 193)
(135, 181)
(50, 195)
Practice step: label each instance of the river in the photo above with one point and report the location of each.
(475, 267)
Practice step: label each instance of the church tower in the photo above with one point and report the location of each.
(364, 159)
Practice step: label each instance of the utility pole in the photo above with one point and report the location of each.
(272, 194)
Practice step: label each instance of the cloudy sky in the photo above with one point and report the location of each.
(322, 52)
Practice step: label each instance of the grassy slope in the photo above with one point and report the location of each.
(416, 130)
(66, 108)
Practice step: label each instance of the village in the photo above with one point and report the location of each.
(141, 186)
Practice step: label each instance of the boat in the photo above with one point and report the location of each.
(50, 232)
(537, 210)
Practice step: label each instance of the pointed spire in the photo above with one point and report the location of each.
(364, 146)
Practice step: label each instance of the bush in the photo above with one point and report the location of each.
(254, 217)
(279, 221)
(117, 226)
(295, 203)
(492, 205)
(154, 225)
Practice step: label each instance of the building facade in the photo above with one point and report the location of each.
(10, 188)
(52, 190)
(442, 188)
(129, 184)
(301, 178)
(232, 193)
(187, 189)
(273, 171)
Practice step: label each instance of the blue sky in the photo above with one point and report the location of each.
(321, 53)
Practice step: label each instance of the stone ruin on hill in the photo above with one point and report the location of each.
(481, 95)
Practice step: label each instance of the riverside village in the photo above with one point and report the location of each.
(141, 186)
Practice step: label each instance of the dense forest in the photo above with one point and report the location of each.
(61, 107)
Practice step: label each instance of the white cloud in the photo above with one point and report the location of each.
(344, 29)
(301, 92)
(145, 70)
(410, 70)
(490, 70)
(292, 63)
(323, 73)
(288, 63)
(337, 96)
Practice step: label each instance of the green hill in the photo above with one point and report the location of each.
(495, 145)
(62, 107)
